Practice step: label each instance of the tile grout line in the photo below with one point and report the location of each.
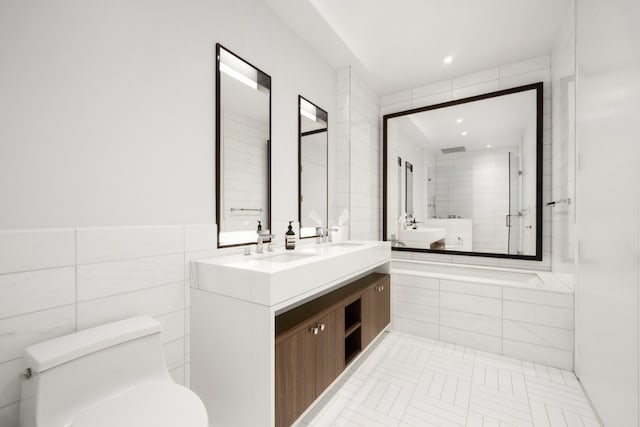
(75, 268)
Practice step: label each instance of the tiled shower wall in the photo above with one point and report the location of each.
(359, 161)
(563, 155)
(487, 173)
(501, 77)
(57, 281)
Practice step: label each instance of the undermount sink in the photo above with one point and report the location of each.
(286, 257)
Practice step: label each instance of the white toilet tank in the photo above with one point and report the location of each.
(118, 368)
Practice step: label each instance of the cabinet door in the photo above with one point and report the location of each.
(383, 305)
(329, 351)
(376, 310)
(295, 376)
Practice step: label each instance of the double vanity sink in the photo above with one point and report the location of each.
(235, 301)
(278, 279)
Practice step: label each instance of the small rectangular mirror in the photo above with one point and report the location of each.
(243, 149)
(312, 172)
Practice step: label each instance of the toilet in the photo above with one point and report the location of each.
(110, 375)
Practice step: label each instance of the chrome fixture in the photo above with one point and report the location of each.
(262, 236)
(329, 234)
(559, 202)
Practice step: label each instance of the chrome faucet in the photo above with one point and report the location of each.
(329, 234)
(321, 234)
(262, 236)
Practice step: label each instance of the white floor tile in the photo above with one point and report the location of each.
(407, 380)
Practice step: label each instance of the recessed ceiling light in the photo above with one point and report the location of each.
(488, 145)
(459, 120)
(448, 59)
(464, 133)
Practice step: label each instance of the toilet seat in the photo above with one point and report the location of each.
(149, 404)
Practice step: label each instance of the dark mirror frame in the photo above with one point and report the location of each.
(265, 80)
(538, 87)
(325, 116)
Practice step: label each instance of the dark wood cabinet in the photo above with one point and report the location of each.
(328, 349)
(315, 341)
(376, 312)
(295, 376)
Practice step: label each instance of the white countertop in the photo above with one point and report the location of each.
(281, 278)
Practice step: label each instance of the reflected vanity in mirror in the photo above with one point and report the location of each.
(312, 171)
(465, 177)
(243, 149)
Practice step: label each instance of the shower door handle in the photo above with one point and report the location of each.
(508, 220)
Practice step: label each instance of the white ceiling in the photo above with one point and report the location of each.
(500, 122)
(401, 44)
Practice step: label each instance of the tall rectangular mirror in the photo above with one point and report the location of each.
(243, 149)
(465, 177)
(312, 172)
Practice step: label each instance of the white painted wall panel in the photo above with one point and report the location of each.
(608, 107)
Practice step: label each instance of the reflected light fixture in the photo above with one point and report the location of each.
(238, 76)
(448, 59)
(464, 133)
(308, 114)
(459, 120)
(488, 145)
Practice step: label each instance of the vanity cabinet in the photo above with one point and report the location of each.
(376, 311)
(315, 341)
(307, 361)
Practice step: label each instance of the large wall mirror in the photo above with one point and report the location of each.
(243, 149)
(313, 162)
(465, 177)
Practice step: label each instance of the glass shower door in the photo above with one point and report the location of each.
(514, 221)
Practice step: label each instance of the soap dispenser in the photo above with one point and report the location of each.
(290, 238)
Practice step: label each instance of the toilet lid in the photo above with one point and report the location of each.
(152, 404)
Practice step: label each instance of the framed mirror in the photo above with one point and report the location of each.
(465, 177)
(313, 154)
(243, 149)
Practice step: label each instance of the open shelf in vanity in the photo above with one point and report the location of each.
(352, 330)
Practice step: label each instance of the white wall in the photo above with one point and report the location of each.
(608, 215)
(563, 153)
(108, 108)
(107, 119)
(503, 76)
(358, 157)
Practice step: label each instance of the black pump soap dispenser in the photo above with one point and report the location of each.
(290, 238)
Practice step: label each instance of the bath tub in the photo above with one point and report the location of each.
(517, 313)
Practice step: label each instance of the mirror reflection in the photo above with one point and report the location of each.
(243, 133)
(312, 157)
(466, 175)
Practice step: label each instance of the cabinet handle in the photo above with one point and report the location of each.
(321, 326)
(314, 331)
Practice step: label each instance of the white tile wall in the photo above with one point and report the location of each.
(359, 161)
(54, 282)
(501, 77)
(563, 147)
(531, 325)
